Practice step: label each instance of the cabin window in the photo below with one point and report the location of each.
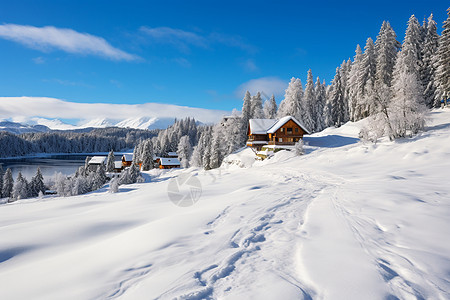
(289, 130)
(280, 140)
(282, 129)
(296, 129)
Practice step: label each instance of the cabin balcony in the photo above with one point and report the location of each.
(281, 143)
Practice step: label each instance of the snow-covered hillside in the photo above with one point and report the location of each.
(345, 221)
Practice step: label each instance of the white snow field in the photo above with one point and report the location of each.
(347, 220)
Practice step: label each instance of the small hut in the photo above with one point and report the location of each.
(169, 163)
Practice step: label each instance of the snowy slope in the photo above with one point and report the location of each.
(346, 221)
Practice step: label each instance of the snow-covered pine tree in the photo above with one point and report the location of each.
(59, 184)
(321, 99)
(407, 109)
(114, 185)
(184, 151)
(199, 150)
(309, 100)
(327, 118)
(68, 187)
(366, 82)
(345, 71)
(20, 189)
(207, 151)
(137, 151)
(428, 66)
(86, 162)
(197, 155)
(442, 81)
(337, 100)
(147, 155)
(110, 162)
(37, 183)
(299, 148)
(101, 175)
(8, 184)
(257, 107)
(270, 108)
(291, 104)
(247, 107)
(411, 48)
(80, 185)
(216, 148)
(386, 46)
(353, 83)
(232, 136)
(134, 173)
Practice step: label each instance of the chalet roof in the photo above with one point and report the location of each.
(97, 160)
(260, 126)
(117, 164)
(172, 154)
(283, 121)
(127, 157)
(164, 161)
(264, 126)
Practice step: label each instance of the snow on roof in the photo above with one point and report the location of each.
(118, 164)
(169, 161)
(260, 126)
(96, 160)
(258, 142)
(127, 157)
(283, 121)
(172, 154)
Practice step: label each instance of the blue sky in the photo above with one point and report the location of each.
(198, 53)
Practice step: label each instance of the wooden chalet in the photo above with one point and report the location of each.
(169, 163)
(127, 159)
(95, 162)
(286, 131)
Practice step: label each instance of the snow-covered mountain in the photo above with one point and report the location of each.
(17, 128)
(52, 112)
(136, 123)
(347, 220)
(53, 124)
(43, 124)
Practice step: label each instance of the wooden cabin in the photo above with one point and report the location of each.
(96, 161)
(127, 159)
(286, 131)
(169, 163)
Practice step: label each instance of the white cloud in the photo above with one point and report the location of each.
(182, 39)
(177, 37)
(30, 107)
(68, 40)
(266, 85)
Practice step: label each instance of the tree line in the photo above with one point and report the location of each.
(96, 140)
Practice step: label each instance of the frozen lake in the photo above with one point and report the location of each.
(66, 164)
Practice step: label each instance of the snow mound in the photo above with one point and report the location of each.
(243, 158)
